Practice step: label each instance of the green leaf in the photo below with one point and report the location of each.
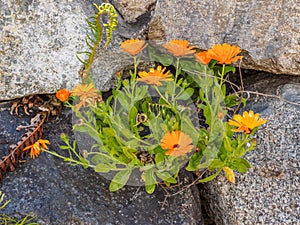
(241, 165)
(120, 180)
(194, 162)
(229, 69)
(227, 144)
(123, 99)
(166, 177)
(231, 100)
(89, 130)
(103, 168)
(150, 181)
(188, 65)
(211, 177)
(216, 164)
(64, 147)
(186, 94)
(156, 56)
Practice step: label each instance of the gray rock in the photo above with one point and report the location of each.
(268, 32)
(58, 193)
(38, 43)
(269, 192)
(131, 10)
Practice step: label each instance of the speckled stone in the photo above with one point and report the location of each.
(268, 32)
(269, 192)
(38, 43)
(131, 10)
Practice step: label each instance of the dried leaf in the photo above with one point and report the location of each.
(229, 174)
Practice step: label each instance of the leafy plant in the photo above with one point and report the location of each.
(155, 123)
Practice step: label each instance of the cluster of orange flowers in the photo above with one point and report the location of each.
(87, 94)
(176, 143)
(223, 53)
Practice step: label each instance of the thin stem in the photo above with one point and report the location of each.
(160, 94)
(222, 75)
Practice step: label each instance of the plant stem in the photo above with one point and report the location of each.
(222, 74)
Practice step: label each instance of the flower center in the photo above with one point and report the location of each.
(176, 146)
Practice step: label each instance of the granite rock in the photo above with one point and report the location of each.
(269, 192)
(133, 10)
(38, 43)
(268, 32)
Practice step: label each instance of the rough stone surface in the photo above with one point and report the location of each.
(58, 193)
(269, 192)
(269, 32)
(131, 10)
(38, 43)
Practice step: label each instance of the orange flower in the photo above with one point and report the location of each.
(179, 48)
(133, 46)
(154, 76)
(203, 57)
(225, 53)
(176, 143)
(87, 93)
(63, 95)
(37, 147)
(247, 122)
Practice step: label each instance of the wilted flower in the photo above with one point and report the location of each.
(179, 48)
(154, 76)
(229, 174)
(247, 122)
(63, 95)
(87, 94)
(37, 147)
(224, 53)
(176, 143)
(133, 46)
(203, 57)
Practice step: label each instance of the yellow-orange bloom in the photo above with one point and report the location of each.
(224, 53)
(203, 57)
(155, 76)
(63, 95)
(133, 46)
(37, 147)
(87, 93)
(247, 122)
(176, 143)
(179, 48)
(229, 174)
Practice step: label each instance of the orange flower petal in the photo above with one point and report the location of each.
(179, 48)
(225, 53)
(133, 46)
(62, 95)
(154, 76)
(203, 57)
(176, 143)
(247, 122)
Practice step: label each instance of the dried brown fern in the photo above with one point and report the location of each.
(33, 132)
